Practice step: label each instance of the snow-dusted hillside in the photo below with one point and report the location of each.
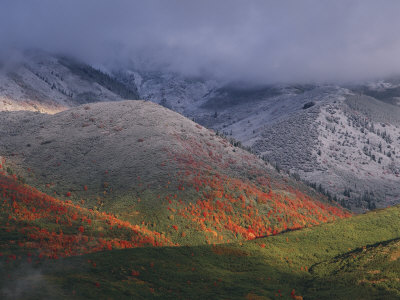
(344, 143)
(349, 146)
(171, 90)
(42, 82)
(343, 139)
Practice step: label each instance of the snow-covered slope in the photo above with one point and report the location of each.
(344, 143)
(349, 146)
(181, 94)
(42, 82)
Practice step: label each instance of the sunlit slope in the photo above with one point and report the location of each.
(374, 266)
(44, 227)
(40, 81)
(148, 165)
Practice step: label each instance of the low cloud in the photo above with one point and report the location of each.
(252, 41)
(21, 281)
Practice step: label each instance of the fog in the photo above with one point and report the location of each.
(250, 41)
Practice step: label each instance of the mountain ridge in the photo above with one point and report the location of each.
(292, 126)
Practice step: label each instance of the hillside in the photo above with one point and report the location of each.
(129, 199)
(39, 81)
(51, 228)
(42, 238)
(349, 147)
(149, 165)
(104, 177)
(343, 140)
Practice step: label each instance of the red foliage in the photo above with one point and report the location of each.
(135, 273)
(240, 208)
(29, 212)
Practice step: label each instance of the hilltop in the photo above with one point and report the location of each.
(149, 165)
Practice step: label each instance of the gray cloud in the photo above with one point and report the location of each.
(254, 41)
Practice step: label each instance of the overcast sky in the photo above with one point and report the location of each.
(254, 41)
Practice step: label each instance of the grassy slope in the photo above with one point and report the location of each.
(311, 261)
(239, 270)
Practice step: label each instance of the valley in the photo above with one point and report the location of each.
(237, 150)
(106, 199)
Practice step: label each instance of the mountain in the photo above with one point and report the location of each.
(349, 147)
(171, 90)
(343, 140)
(49, 83)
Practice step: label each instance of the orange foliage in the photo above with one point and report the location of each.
(29, 212)
(244, 209)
